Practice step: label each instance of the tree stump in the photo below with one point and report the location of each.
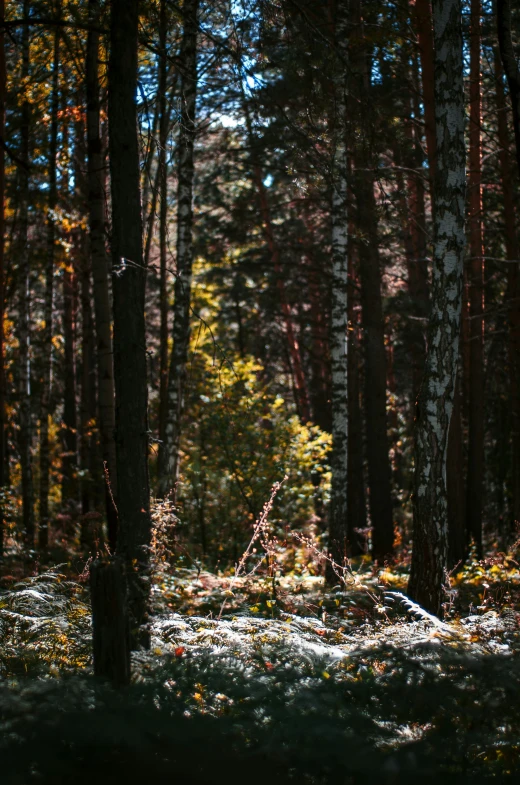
(110, 626)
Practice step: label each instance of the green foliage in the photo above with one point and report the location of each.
(241, 436)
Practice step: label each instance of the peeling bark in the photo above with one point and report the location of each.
(430, 550)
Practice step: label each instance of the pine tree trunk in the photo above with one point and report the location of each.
(513, 284)
(110, 623)
(423, 22)
(370, 274)
(99, 262)
(510, 64)
(169, 450)
(69, 426)
(46, 357)
(129, 282)
(475, 272)
(338, 513)
(164, 120)
(430, 544)
(3, 88)
(24, 371)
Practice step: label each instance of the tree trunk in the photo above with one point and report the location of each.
(510, 63)
(423, 21)
(169, 450)
(164, 121)
(475, 271)
(43, 530)
(99, 263)
(110, 627)
(69, 433)
(129, 281)
(370, 274)
(513, 285)
(24, 372)
(338, 513)
(3, 88)
(430, 544)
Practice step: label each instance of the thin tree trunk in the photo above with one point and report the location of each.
(24, 378)
(99, 263)
(3, 87)
(338, 514)
(510, 63)
(356, 507)
(164, 120)
(69, 433)
(476, 294)
(129, 283)
(430, 544)
(169, 450)
(513, 283)
(43, 530)
(319, 387)
(370, 274)
(423, 21)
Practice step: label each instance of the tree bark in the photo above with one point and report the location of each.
(513, 284)
(164, 121)
(110, 624)
(69, 432)
(129, 281)
(169, 449)
(99, 263)
(338, 513)
(423, 22)
(475, 272)
(43, 529)
(510, 63)
(24, 372)
(370, 274)
(3, 88)
(430, 544)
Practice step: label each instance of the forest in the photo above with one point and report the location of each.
(259, 391)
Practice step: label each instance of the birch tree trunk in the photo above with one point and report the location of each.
(99, 263)
(169, 450)
(24, 371)
(129, 280)
(338, 520)
(43, 529)
(475, 270)
(430, 544)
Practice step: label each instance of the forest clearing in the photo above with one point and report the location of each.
(259, 391)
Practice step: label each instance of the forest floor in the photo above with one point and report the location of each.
(280, 677)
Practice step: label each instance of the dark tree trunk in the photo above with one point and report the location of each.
(69, 433)
(46, 352)
(169, 449)
(110, 624)
(430, 543)
(24, 371)
(129, 281)
(370, 274)
(99, 262)
(3, 87)
(513, 286)
(164, 121)
(510, 63)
